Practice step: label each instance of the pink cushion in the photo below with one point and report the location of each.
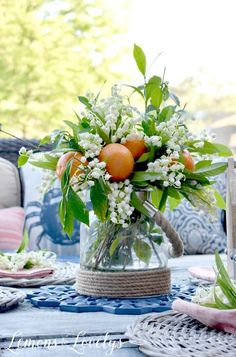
(11, 227)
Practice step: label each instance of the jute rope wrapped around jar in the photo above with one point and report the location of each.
(123, 284)
(132, 283)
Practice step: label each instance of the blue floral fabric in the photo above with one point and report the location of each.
(42, 220)
(199, 233)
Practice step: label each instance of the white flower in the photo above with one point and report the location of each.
(91, 143)
(17, 261)
(22, 150)
(83, 159)
(119, 202)
(153, 140)
(107, 177)
(25, 152)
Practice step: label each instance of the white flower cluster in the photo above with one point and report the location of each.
(115, 118)
(119, 203)
(176, 131)
(167, 171)
(47, 178)
(133, 136)
(205, 295)
(154, 140)
(94, 169)
(204, 201)
(203, 136)
(91, 143)
(17, 261)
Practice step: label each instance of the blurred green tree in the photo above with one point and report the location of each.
(50, 51)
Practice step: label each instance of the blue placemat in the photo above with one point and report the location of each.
(65, 298)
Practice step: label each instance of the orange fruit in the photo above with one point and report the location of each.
(188, 161)
(119, 161)
(136, 146)
(74, 157)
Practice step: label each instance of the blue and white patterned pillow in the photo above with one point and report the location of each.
(200, 235)
(42, 220)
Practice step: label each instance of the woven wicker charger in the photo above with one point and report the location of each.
(9, 298)
(173, 334)
(63, 274)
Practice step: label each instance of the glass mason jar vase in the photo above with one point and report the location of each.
(110, 247)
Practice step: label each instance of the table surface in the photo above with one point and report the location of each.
(29, 331)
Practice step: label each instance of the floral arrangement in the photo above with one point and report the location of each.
(221, 295)
(115, 150)
(26, 260)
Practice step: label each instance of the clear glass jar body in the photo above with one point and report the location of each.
(110, 247)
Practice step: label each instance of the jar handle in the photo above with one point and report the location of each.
(177, 248)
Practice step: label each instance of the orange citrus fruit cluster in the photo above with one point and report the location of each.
(119, 159)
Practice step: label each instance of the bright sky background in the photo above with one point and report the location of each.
(193, 35)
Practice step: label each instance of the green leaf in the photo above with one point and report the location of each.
(196, 176)
(220, 202)
(220, 304)
(62, 211)
(149, 126)
(166, 113)
(66, 216)
(115, 244)
(162, 204)
(137, 203)
(156, 196)
(213, 148)
(140, 58)
(203, 163)
(24, 243)
(221, 269)
(144, 157)
(84, 101)
(77, 207)
(154, 82)
(144, 176)
(51, 159)
(142, 250)
(68, 221)
(75, 128)
(156, 97)
(136, 89)
(173, 202)
(28, 265)
(99, 200)
(225, 284)
(173, 192)
(22, 160)
(65, 179)
(213, 170)
(73, 144)
(45, 140)
(228, 292)
(140, 184)
(103, 135)
(157, 238)
(174, 98)
(43, 164)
